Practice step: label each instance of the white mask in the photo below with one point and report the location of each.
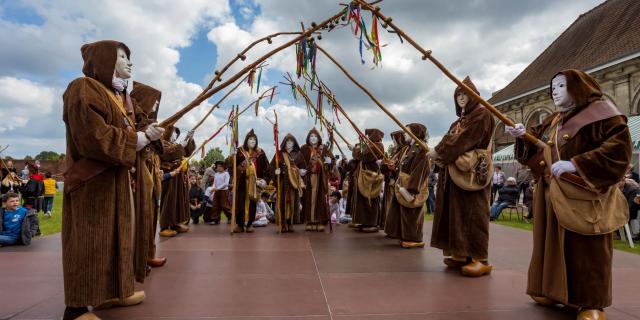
(288, 146)
(313, 139)
(123, 65)
(561, 97)
(407, 138)
(462, 99)
(252, 142)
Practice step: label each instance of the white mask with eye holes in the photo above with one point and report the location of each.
(407, 138)
(313, 139)
(288, 146)
(560, 95)
(123, 65)
(252, 142)
(462, 99)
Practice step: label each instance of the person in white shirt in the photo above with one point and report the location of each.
(220, 194)
(497, 181)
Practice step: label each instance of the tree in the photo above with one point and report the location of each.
(28, 158)
(390, 149)
(47, 155)
(211, 157)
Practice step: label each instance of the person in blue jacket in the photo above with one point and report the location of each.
(12, 217)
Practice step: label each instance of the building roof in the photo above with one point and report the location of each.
(606, 33)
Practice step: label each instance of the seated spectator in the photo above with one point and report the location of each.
(264, 214)
(527, 199)
(334, 206)
(50, 187)
(507, 196)
(631, 191)
(33, 189)
(12, 217)
(343, 218)
(196, 196)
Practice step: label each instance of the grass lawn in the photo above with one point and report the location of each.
(515, 222)
(54, 224)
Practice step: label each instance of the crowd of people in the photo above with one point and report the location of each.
(126, 176)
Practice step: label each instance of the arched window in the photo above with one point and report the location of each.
(537, 116)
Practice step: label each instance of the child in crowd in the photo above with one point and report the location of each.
(50, 187)
(12, 217)
(195, 199)
(334, 206)
(263, 211)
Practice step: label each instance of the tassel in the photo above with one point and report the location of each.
(259, 77)
(257, 106)
(273, 92)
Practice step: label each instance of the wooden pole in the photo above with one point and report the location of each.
(262, 96)
(197, 101)
(278, 191)
(235, 176)
(427, 54)
(375, 100)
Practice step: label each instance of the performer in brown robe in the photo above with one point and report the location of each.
(461, 220)
(249, 154)
(365, 211)
(406, 208)
(98, 220)
(594, 143)
(148, 174)
(314, 199)
(390, 176)
(174, 203)
(291, 186)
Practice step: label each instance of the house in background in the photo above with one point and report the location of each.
(604, 42)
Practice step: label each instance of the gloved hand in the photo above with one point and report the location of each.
(406, 194)
(350, 147)
(327, 160)
(379, 162)
(154, 132)
(303, 172)
(562, 166)
(432, 154)
(261, 183)
(142, 140)
(278, 171)
(517, 131)
(392, 181)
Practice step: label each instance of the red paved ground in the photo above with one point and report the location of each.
(346, 276)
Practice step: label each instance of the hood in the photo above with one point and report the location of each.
(472, 104)
(148, 99)
(246, 139)
(289, 136)
(398, 138)
(100, 59)
(583, 88)
(374, 135)
(419, 130)
(314, 130)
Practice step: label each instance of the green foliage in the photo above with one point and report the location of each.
(47, 155)
(211, 157)
(28, 158)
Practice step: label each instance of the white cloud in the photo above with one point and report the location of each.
(21, 100)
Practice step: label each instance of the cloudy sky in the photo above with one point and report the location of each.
(176, 46)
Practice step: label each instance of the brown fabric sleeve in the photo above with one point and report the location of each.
(419, 171)
(87, 117)
(604, 166)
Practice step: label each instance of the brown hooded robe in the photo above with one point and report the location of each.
(365, 212)
(261, 163)
(174, 203)
(461, 220)
(567, 267)
(289, 195)
(388, 168)
(402, 222)
(314, 200)
(148, 180)
(98, 220)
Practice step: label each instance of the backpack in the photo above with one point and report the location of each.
(30, 226)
